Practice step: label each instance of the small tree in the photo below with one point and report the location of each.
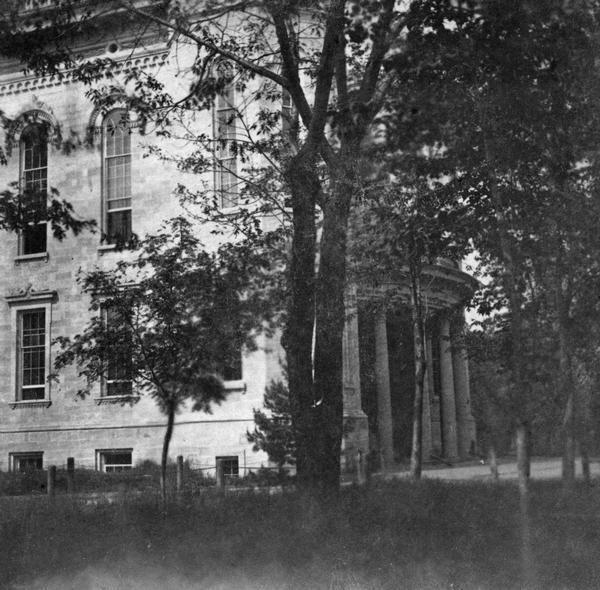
(273, 432)
(168, 321)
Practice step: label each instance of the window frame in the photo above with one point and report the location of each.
(22, 173)
(287, 113)
(105, 382)
(101, 459)
(105, 211)
(15, 457)
(19, 305)
(230, 459)
(24, 349)
(226, 162)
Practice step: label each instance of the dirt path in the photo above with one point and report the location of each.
(540, 469)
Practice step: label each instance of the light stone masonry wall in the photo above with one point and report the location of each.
(72, 427)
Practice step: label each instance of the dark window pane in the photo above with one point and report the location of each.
(117, 458)
(28, 463)
(118, 230)
(33, 393)
(231, 368)
(34, 239)
(116, 461)
(34, 188)
(118, 357)
(230, 466)
(118, 388)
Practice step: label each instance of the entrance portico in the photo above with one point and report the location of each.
(379, 371)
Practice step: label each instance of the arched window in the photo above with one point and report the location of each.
(117, 177)
(226, 177)
(34, 188)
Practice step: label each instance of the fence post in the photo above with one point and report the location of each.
(70, 475)
(179, 474)
(220, 476)
(51, 480)
(361, 476)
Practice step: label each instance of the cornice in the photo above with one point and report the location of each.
(13, 85)
(444, 287)
(28, 295)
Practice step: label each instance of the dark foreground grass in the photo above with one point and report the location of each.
(395, 535)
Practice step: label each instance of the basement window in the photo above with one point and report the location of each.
(114, 460)
(231, 466)
(26, 462)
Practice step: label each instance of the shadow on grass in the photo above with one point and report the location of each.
(394, 535)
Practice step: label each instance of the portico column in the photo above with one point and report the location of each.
(356, 428)
(384, 402)
(426, 443)
(436, 432)
(449, 434)
(464, 417)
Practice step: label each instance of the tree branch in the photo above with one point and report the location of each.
(334, 27)
(244, 63)
(382, 39)
(290, 63)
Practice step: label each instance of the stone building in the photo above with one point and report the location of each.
(108, 178)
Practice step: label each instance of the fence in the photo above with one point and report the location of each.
(180, 478)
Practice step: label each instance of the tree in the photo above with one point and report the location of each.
(273, 431)
(337, 49)
(504, 91)
(410, 223)
(167, 322)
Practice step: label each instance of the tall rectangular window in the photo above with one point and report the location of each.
(227, 170)
(34, 188)
(118, 380)
(32, 355)
(117, 177)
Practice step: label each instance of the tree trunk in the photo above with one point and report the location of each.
(493, 461)
(317, 301)
(585, 460)
(165, 454)
(523, 459)
(509, 257)
(330, 320)
(416, 456)
(568, 390)
(568, 460)
(297, 340)
(528, 573)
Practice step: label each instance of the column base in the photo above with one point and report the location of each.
(355, 440)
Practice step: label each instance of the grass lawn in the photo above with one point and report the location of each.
(392, 535)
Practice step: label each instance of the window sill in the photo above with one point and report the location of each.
(31, 257)
(104, 248)
(237, 385)
(117, 399)
(34, 403)
(224, 212)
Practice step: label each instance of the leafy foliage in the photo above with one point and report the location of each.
(179, 312)
(273, 432)
(168, 321)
